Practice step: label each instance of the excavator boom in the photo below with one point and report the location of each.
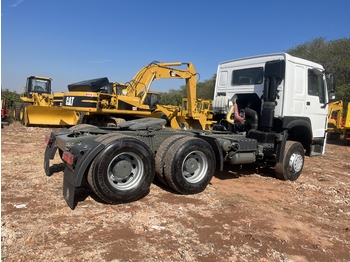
(134, 99)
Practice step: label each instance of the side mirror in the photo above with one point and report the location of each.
(331, 81)
(331, 96)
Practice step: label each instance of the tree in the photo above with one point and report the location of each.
(205, 90)
(10, 97)
(173, 97)
(334, 56)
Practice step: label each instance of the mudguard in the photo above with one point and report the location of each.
(73, 177)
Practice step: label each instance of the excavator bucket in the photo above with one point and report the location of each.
(50, 116)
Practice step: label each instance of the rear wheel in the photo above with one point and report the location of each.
(160, 156)
(16, 112)
(293, 162)
(190, 165)
(123, 171)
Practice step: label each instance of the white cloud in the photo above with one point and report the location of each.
(17, 3)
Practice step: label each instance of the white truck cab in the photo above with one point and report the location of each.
(288, 93)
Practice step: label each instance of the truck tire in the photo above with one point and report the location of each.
(160, 156)
(23, 115)
(123, 171)
(190, 165)
(17, 111)
(23, 118)
(293, 162)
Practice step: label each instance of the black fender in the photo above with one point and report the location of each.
(290, 122)
(298, 124)
(73, 178)
(214, 143)
(85, 153)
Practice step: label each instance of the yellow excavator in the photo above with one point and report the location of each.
(337, 124)
(40, 107)
(104, 103)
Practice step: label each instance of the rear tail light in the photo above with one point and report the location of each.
(68, 157)
(48, 140)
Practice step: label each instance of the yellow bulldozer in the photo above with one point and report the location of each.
(40, 107)
(104, 103)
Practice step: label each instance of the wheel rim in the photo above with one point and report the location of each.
(194, 167)
(295, 163)
(125, 171)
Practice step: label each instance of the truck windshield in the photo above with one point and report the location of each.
(248, 76)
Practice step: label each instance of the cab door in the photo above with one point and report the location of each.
(315, 107)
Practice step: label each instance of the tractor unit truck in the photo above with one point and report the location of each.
(271, 111)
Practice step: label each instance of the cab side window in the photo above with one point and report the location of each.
(316, 85)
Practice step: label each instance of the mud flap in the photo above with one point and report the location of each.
(69, 193)
(73, 187)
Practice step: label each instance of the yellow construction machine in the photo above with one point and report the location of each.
(40, 107)
(338, 121)
(105, 103)
(347, 126)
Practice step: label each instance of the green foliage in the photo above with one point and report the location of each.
(205, 90)
(334, 56)
(173, 97)
(10, 98)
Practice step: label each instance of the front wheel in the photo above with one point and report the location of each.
(123, 171)
(22, 112)
(293, 162)
(189, 165)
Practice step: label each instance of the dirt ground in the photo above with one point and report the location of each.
(245, 214)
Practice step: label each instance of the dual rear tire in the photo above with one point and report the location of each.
(124, 170)
(186, 164)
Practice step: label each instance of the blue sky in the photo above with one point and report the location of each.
(75, 40)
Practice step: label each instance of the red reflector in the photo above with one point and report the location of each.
(68, 157)
(47, 140)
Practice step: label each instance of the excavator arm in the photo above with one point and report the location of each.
(139, 86)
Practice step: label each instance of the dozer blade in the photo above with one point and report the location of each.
(51, 116)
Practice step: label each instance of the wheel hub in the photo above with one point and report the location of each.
(295, 163)
(122, 169)
(191, 165)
